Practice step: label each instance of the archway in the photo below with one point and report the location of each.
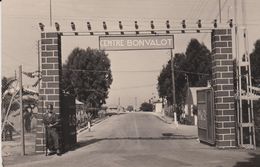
(222, 68)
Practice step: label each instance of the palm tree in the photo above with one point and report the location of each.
(9, 93)
(10, 98)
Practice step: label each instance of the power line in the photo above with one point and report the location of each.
(78, 70)
(138, 71)
(106, 71)
(193, 10)
(202, 8)
(222, 7)
(194, 73)
(134, 87)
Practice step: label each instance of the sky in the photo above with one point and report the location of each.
(20, 33)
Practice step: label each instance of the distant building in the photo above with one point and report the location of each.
(158, 106)
(113, 109)
(190, 104)
(80, 113)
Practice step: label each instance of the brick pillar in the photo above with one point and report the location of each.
(222, 69)
(50, 85)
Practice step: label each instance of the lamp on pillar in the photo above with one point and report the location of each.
(105, 27)
(121, 28)
(89, 28)
(215, 23)
(57, 26)
(136, 28)
(41, 26)
(199, 25)
(152, 27)
(73, 27)
(168, 27)
(230, 23)
(183, 26)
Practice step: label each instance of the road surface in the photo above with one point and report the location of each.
(143, 140)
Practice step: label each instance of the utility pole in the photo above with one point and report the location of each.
(135, 103)
(188, 85)
(21, 110)
(50, 14)
(118, 107)
(229, 8)
(235, 12)
(173, 91)
(219, 4)
(39, 69)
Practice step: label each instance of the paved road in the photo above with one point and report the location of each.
(143, 140)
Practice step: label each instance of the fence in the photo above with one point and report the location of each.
(18, 129)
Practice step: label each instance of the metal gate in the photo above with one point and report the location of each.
(68, 118)
(245, 96)
(206, 121)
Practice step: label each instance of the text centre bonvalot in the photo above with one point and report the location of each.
(136, 42)
(143, 41)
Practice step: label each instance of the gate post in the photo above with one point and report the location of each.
(49, 92)
(223, 85)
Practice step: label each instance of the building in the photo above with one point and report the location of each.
(158, 106)
(80, 114)
(191, 104)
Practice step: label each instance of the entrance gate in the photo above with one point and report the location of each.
(206, 119)
(222, 68)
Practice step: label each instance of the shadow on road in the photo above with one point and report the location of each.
(114, 113)
(174, 137)
(85, 143)
(253, 161)
(165, 136)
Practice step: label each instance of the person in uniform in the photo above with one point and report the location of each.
(27, 119)
(52, 122)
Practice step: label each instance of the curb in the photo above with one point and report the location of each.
(95, 122)
(162, 118)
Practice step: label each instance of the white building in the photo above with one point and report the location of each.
(158, 107)
(190, 102)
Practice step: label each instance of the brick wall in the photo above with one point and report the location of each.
(222, 69)
(50, 84)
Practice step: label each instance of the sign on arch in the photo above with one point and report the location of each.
(117, 43)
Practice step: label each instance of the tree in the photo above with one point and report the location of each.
(130, 108)
(255, 63)
(164, 85)
(180, 80)
(190, 69)
(7, 96)
(4, 84)
(198, 60)
(255, 70)
(146, 107)
(87, 75)
(29, 97)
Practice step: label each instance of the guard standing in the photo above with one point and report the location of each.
(52, 122)
(27, 119)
